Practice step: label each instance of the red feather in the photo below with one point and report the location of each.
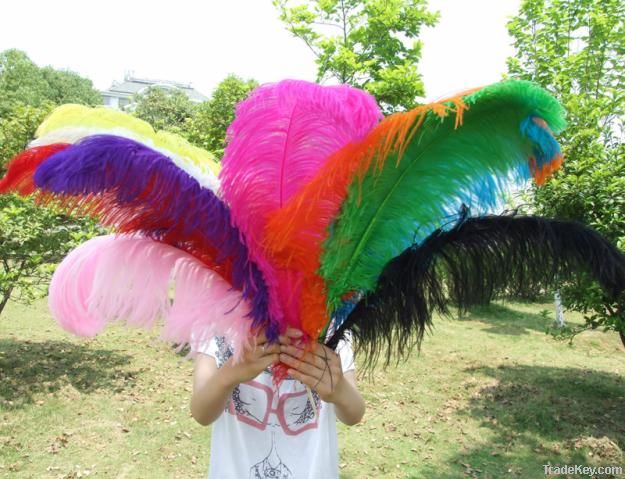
(20, 170)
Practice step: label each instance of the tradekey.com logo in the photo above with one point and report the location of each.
(592, 471)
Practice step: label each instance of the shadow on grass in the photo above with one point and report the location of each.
(542, 415)
(504, 320)
(30, 368)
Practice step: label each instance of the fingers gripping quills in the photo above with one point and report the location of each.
(314, 365)
(253, 360)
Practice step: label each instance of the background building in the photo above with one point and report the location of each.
(120, 94)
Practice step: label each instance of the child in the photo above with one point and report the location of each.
(259, 432)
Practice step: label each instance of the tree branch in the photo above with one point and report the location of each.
(327, 24)
(312, 49)
(343, 74)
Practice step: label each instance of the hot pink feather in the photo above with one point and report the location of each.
(280, 137)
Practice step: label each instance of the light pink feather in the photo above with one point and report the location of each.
(131, 278)
(70, 289)
(281, 136)
(205, 305)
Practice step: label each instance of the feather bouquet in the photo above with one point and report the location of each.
(323, 216)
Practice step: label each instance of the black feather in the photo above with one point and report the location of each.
(472, 263)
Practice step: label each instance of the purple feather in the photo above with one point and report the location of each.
(147, 193)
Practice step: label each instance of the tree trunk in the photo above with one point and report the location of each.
(559, 310)
(622, 335)
(5, 300)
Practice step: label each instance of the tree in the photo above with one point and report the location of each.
(32, 241)
(164, 109)
(28, 93)
(369, 44)
(576, 50)
(69, 87)
(207, 127)
(20, 81)
(18, 128)
(23, 82)
(33, 238)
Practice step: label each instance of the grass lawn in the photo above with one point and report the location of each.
(490, 396)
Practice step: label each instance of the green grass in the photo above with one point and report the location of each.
(489, 396)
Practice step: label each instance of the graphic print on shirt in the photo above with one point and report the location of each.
(271, 467)
(259, 406)
(223, 351)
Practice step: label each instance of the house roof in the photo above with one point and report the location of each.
(132, 86)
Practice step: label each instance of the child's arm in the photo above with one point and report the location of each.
(349, 404)
(212, 386)
(321, 370)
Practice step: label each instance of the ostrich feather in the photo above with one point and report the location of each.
(21, 168)
(70, 289)
(413, 188)
(281, 135)
(475, 261)
(127, 185)
(72, 123)
(131, 278)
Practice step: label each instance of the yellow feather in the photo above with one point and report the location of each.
(102, 118)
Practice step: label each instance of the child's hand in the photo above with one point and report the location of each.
(253, 361)
(319, 369)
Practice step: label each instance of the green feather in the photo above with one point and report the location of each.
(388, 209)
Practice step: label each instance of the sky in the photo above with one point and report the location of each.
(200, 42)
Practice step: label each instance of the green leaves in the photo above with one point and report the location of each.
(32, 240)
(23, 82)
(369, 44)
(164, 109)
(576, 49)
(205, 124)
(18, 127)
(28, 93)
(207, 127)
(69, 87)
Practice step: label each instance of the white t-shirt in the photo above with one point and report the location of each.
(267, 434)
